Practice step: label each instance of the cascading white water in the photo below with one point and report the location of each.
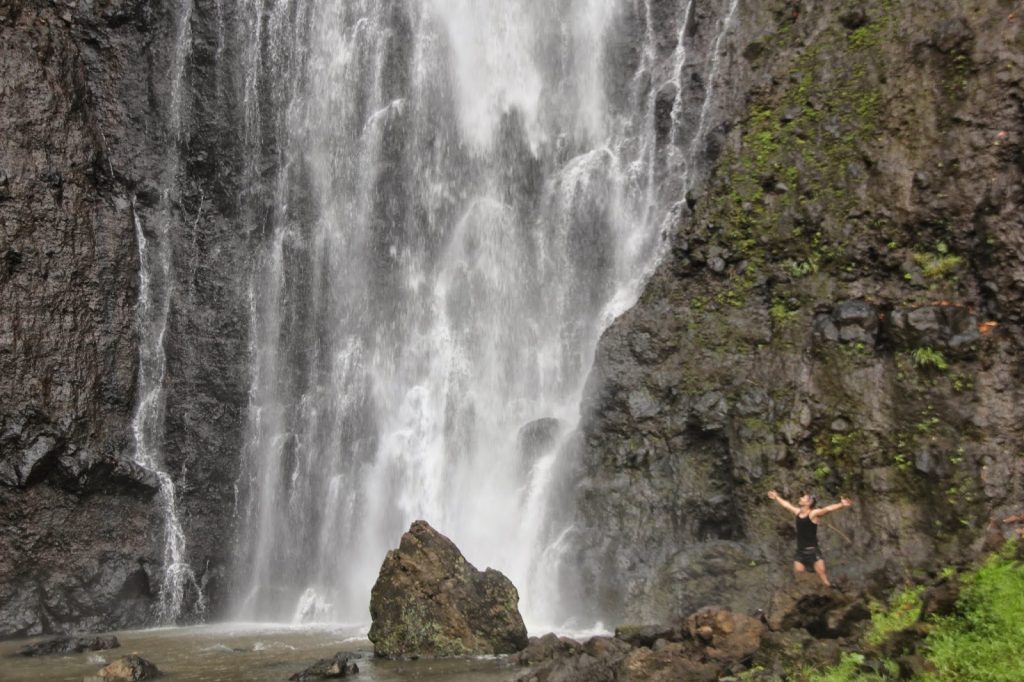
(153, 309)
(459, 212)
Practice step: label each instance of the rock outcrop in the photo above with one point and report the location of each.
(714, 643)
(429, 601)
(840, 311)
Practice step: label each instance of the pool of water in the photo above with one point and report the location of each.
(254, 653)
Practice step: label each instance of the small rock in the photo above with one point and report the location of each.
(857, 321)
(340, 665)
(854, 19)
(546, 648)
(28, 464)
(669, 663)
(940, 599)
(953, 35)
(729, 636)
(126, 669)
(841, 622)
(804, 603)
(915, 667)
(904, 642)
(646, 635)
(711, 411)
(603, 647)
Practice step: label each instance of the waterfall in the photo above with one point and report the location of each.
(466, 194)
(156, 281)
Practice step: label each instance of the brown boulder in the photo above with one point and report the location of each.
(429, 601)
(668, 663)
(727, 636)
(126, 669)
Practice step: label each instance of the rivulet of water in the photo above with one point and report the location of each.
(156, 283)
(465, 195)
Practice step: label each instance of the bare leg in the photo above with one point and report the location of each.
(798, 567)
(819, 568)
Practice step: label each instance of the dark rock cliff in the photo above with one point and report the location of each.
(85, 148)
(840, 308)
(840, 312)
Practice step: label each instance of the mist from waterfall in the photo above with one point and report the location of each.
(465, 195)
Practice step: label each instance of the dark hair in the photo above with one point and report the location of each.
(814, 499)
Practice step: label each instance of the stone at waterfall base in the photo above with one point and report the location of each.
(430, 602)
(340, 665)
(807, 625)
(126, 669)
(63, 646)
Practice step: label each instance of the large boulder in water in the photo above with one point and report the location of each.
(429, 601)
(126, 669)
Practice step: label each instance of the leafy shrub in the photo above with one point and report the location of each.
(983, 643)
(939, 264)
(849, 669)
(903, 611)
(929, 357)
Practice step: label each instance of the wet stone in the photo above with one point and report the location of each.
(62, 646)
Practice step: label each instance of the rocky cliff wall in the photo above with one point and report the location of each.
(840, 313)
(84, 154)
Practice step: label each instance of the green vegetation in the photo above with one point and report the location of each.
(938, 265)
(903, 610)
(984, 642)
(929, 357)
(980, 643)
(783, 200)
(849, 670)
(781, 312)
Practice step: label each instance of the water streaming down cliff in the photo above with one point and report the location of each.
(467, 193)
(156, 282)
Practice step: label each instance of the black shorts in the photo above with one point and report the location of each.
(807, 556)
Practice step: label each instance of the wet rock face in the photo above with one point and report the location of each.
(429, 601)
(68, 347)
(83, 91)
(840, 313)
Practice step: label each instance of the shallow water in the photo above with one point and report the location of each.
(235, 652)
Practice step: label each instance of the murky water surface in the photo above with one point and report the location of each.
(245, 652)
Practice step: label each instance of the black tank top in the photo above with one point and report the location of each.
(806, 532)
